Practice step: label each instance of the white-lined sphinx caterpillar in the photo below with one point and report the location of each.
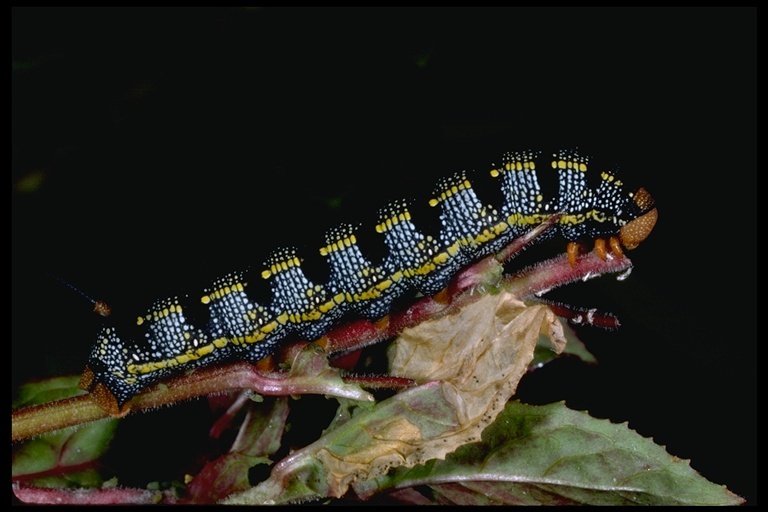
(238, 327)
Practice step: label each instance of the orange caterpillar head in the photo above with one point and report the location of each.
(638, 229)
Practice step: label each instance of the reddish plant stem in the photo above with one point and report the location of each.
(114, 496)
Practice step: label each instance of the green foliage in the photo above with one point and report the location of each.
(65, 458)
(552, 455)
(449, 435)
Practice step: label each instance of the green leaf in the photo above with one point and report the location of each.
(370, 442)
(546, 352)
(225, 475)
(60, 458)
(44, 391)
(575, 346)
(66, 451)
(551, 455)
(262, 430)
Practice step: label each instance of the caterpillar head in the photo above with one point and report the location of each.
(638, 229)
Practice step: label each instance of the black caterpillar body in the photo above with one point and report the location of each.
(238, 328)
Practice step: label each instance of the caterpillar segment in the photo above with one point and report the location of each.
(240, 328)
(355, 282)
(467, 229)
(237, 324)
(411, 255)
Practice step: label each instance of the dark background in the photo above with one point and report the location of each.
(155, 149)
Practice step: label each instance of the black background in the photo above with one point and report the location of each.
(173, 145)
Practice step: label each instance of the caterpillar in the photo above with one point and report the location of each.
(237, 327)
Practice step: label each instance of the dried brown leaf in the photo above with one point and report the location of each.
(479, 353)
